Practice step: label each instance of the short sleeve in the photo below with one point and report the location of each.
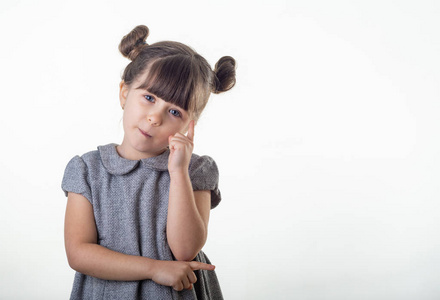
(75, 178)
(203, 173)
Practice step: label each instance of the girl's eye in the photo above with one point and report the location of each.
(149, 98)
(175, 113)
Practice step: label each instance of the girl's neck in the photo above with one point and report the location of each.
(132, 154)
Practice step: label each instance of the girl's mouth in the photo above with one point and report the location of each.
(145, 134)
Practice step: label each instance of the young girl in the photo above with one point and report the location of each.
(137, 213)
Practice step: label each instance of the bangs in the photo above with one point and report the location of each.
(173, 79)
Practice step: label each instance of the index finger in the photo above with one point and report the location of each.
(191, 126)
(196, 265)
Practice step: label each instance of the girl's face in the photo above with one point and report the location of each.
(148, 122)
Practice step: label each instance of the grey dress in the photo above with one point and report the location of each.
(130, 204)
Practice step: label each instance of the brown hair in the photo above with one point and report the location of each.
(175, 72)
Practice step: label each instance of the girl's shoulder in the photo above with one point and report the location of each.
(202, 164)
(204, 175)
(103, 159)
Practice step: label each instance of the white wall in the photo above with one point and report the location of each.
(328, 146)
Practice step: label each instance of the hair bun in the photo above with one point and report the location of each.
(132, 43)
(224, 74)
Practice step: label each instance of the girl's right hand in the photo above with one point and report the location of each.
(178, 274)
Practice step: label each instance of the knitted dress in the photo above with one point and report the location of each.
(130, 205)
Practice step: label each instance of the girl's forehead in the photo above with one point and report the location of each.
(147, 80)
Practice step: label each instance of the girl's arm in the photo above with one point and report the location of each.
(188, 216)
(188, 210)
(87, 257)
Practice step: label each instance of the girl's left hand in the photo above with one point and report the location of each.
(181, 148)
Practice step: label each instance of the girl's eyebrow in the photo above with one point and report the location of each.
(142, 88)
(146, 91)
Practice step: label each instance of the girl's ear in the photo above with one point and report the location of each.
(123, 91)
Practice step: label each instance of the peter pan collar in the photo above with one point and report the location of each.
(118, 165)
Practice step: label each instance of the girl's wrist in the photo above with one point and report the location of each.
(151, 266)
(179, 173)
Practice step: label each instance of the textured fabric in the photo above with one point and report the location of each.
(130, 205)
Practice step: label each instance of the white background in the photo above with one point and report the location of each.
(328, 146)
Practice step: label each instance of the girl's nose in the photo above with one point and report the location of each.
(154, 119)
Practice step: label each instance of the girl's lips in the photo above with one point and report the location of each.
(144, 133)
